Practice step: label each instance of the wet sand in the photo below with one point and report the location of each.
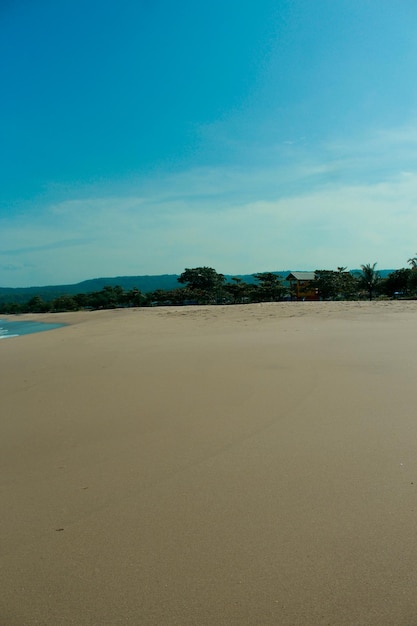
(247, 465)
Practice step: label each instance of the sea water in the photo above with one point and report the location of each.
(15, 329)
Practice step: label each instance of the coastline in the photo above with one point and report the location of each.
(211, 465)
(236, 311)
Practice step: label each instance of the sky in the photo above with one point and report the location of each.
(147, 136)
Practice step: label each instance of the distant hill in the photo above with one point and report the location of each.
(145, 284)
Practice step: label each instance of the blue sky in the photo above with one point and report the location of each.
(146, 136)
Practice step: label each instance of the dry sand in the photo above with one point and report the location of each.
(248, 465)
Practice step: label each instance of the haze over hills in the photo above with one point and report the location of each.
(145, 284)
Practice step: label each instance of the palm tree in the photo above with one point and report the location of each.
(413, 262)
(369, 278)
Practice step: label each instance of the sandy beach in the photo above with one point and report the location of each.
(243, 465)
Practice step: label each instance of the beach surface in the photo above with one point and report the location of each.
(233, 465)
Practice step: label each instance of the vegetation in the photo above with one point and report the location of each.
(269, 288)
(204, 285)
(340, 285)
(369, 279)
(237, 291)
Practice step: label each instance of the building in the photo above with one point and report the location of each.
(302, 286)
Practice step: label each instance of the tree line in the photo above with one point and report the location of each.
(204, 285)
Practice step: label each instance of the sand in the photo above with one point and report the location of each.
(247, 465)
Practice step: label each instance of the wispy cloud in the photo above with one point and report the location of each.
(56, 245)
(9, 267)
(340, 204)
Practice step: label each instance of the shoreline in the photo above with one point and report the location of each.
(285, 309)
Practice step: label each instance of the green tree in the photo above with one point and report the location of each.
(37, 305)
(108, 298)
(412, 282)
(369, 278)
(64, 303)
(204, 283)
(412, 279)
(104, 299)
(413, 262)
(396, 282)
(327, 282)
(178, 296)
(159, 297)
(82, 300)
(133, 297)
(11, 308)
(238, 290)
(270, 287)
(348, 284)
(340, 285)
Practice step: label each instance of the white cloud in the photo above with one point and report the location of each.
(333, 209)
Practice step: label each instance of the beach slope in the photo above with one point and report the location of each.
(233, 465)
